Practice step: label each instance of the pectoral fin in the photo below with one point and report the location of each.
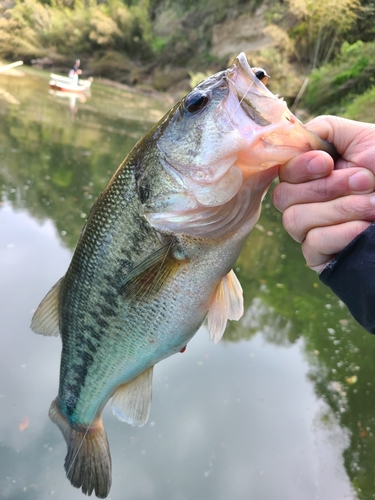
(132, 401)
(149, 276)
(46, 318)
(227, 303)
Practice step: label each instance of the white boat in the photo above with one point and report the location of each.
(66, 84)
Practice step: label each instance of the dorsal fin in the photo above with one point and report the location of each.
(146, 279)
(227, 303)
(46, 318)
(132, 401)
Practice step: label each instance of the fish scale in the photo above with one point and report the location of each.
(86, 261)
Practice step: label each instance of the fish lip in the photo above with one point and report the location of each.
(243, 64)
(243, 78)
(249, 90)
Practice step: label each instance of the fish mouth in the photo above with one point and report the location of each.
(245, 78)
(269, 113)
(252, 94)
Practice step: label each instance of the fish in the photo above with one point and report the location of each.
(155, 257)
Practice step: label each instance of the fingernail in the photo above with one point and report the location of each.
(361, 181)
(317, 165)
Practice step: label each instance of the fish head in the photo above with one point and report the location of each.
(221, 143)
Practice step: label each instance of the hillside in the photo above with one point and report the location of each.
(164, 44)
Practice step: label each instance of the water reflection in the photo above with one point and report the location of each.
(282, 408)
(72, 99)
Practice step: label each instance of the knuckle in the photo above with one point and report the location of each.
(312, 248)
(312, 239)
(292, 224)
(307, 253)
(345, 207)
(285, 195)
(278, 198)
(352, 229)
(355, 207)
(324, 190)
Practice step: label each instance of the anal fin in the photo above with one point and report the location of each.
(46, 318)
(132, 401)
(227, 303)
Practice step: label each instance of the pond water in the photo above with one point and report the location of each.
(282, 408)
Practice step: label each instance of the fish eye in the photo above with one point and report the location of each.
(260, 74)
(196, 102)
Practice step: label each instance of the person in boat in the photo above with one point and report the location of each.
(75, 72)
(329, 207)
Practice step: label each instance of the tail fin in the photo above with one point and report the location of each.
(88, 461)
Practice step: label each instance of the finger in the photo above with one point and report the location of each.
(322, 244)
(344, 134)
(298, 220)
(306, 167)
(339, 183)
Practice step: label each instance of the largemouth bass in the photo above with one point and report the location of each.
(156, 254)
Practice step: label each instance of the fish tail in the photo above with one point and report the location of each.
(88, 461)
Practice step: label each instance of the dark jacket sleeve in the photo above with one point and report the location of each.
(351, 276)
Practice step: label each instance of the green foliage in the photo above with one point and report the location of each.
(196, 78)
(364, 26)
(362, 107)
(32, 29)
(285, 80)
(113, 65)
(276, 12)
(321, 26)
(333, 86)
(161, 32)
(22, 29)
(347, 49)
(204, 5)
(354, 72)
(69, 29)
(158, 43)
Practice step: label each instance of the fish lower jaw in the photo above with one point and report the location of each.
(259, 175)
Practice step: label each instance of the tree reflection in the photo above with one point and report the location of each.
(285, 301)
(57, 168)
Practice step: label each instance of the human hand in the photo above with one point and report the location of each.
(324, 209)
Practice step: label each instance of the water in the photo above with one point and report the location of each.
(281, 408)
